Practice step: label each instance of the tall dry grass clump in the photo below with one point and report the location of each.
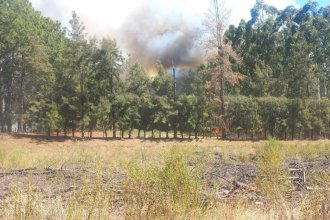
(273, 177)
(165, 192)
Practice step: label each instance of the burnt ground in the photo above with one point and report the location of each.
(229, 177)
(62, 183)
(50, 182)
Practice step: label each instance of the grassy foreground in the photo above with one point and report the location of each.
(134, 179)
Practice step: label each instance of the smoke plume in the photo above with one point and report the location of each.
(150, 30)
(150, 34)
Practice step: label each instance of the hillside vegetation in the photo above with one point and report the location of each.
(274, 77)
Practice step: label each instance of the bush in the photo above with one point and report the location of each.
(243, 114)
(162, 192)
(272, 178)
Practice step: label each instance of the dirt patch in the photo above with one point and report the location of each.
(51, 183)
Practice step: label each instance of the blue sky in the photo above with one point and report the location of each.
(321, 2)
(102, 17)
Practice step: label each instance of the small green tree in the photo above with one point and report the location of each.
(43, 115)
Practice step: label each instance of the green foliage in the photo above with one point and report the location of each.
(244, 114)
(162, 84)
(138, 81)
(43, 115)
(163, 112)
(57, 78)
(284, 51)
(279, 117)
(274, 114)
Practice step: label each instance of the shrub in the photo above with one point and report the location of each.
(162, 191)
(272, 178)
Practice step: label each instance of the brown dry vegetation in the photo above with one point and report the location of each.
(52, 178)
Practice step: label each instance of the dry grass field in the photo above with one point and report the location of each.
(57, 178)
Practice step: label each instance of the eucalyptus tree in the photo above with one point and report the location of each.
(284, 52)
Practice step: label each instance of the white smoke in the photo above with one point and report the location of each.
(149, 30)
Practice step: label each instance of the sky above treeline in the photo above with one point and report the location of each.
(162, 29)
(104, 15)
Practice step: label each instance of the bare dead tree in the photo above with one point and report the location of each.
(215, 23)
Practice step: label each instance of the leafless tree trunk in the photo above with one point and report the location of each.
(216, 23)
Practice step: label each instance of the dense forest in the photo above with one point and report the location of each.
(56, 79)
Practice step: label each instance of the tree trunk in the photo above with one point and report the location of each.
(8, 112)
(318, 89)
(82, 130)
(1, 100)
(312, 134)
(292, 133)
(308, 91)
(21, 102)
(65, 128)
(8, 82)
(24, 119)
(139, 132)
(325, 87)
(73, 124)
(82, 103)
(222, 91)
(144, 134)
(175, 134)
(114, 132)
(112, 111)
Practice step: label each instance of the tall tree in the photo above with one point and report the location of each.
(107, 65)
(79, 65)
(215, 23)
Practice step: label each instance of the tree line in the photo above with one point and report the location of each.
(285, 52)
(58, 79)
(283, 118)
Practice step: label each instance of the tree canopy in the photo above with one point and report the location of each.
(270, 76)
